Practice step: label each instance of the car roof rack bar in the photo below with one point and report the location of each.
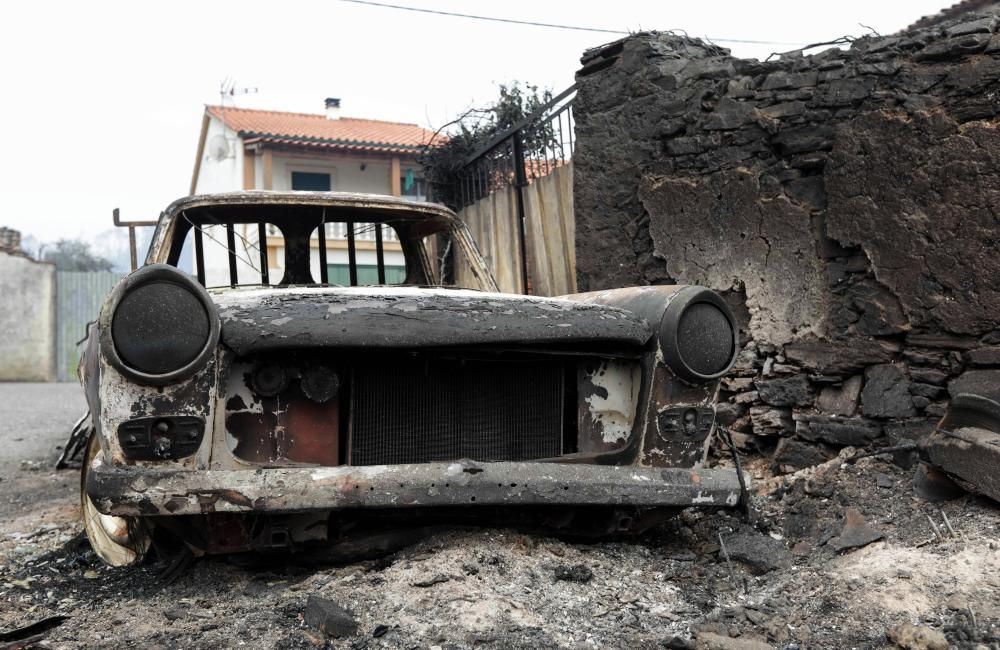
(352, 254)
(231, 243)
(262, 248)
(199, 255)
(379, 253)
(324, 272)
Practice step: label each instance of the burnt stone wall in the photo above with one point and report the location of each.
(847, 203)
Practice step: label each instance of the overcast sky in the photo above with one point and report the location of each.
(102, 101)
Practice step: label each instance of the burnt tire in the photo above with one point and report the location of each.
(119, 541)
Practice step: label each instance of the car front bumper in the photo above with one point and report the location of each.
(132, 490)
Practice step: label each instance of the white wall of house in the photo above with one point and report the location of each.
(222, 175)
(346, 173)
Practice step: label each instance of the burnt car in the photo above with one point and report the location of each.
(358, 370)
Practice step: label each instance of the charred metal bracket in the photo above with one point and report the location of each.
(161, 437)
(727, 438)
(684, 422)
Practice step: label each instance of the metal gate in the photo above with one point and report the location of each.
(79, 295)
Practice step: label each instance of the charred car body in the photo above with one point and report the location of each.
(288, 411)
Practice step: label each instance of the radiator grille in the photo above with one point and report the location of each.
(483, 410)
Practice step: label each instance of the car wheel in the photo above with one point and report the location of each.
(119, 541)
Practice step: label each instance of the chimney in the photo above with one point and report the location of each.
(332, 108)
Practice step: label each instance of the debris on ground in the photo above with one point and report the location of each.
(503, 588)
(856, 532)
(760, 553)
(575, 573)
(917, 637)
(329, 618)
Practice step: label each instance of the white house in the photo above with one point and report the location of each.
(256, 149)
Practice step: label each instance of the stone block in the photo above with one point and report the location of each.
(790, 391)
(970, 454)
(840, 400)
(954, 48)
(985, 383)
(840, 357)
(987, 356)
(887, 392)
(984, 25)
(929, 376)
(804, 139)
(841, 432)
(768, 421)
(781, 80)
(792, 454)
(729, 114)
(930, 391)
(843, 92)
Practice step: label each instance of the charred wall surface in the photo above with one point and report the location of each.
(848, 203)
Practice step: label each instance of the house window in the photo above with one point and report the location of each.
(412, 187)
(367, 274)
(310, 181)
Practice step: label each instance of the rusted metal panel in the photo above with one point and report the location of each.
(134, 491)
(284, 427)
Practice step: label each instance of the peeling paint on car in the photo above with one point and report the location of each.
(613, 402)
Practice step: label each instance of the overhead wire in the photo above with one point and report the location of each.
(532, 23)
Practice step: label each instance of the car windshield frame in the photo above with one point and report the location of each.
(299, 215)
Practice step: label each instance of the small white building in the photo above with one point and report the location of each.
(244, 149)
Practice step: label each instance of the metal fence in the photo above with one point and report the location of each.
(531, 149)
(79, 295)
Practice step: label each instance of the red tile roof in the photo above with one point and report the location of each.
(317, 131)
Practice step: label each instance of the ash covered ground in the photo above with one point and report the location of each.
(839, 556)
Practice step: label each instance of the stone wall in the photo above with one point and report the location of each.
(847, 203)
(27, 319)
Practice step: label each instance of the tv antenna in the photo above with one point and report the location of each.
(228, 87)
(219, 146)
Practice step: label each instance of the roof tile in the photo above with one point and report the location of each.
(311, 130)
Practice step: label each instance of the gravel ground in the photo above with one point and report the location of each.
(787, 585)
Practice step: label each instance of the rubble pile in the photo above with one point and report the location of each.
(844, 201)
(839, 555)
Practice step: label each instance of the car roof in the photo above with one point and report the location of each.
(375, 203)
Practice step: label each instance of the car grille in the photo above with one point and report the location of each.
(440, 410)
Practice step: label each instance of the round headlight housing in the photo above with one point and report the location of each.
(698, 335)
(159, 325)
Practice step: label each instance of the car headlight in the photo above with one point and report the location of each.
(698, 335)
(159, 325)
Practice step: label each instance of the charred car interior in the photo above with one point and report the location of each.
(286, 409)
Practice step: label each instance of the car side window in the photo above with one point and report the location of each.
(258, 257)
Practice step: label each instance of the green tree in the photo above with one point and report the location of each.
(75, 255)
(445, 158)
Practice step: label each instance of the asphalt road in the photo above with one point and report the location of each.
(35, 418)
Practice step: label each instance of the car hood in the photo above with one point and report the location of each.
(409, 317)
